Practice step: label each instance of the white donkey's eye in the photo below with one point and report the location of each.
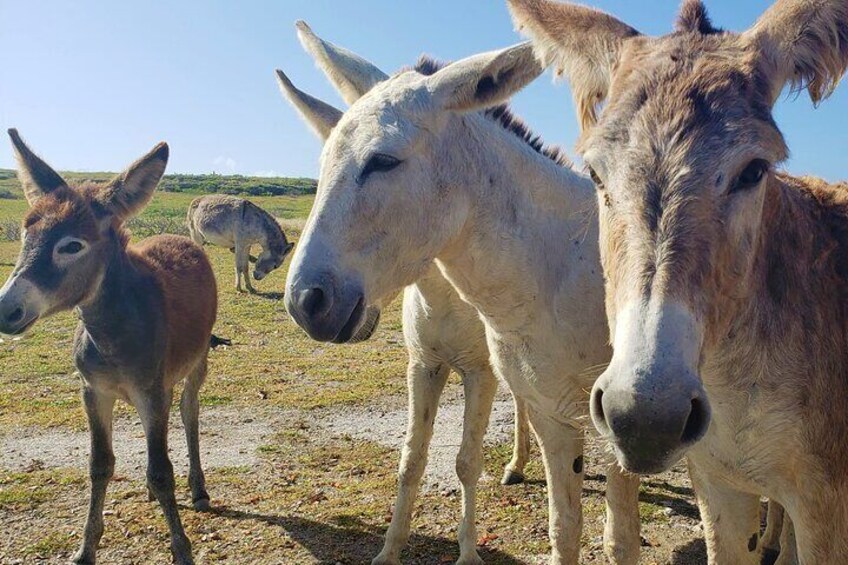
(68, 248)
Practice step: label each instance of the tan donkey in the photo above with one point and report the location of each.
(727, 281)
(238, 224)
(146, 314)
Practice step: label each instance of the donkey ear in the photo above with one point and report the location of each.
(319, 115)
(803, 43)
(352, 75)
(128, 193)
(36, 176)
(484, 80)
(582, 43)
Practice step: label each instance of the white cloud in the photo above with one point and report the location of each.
(271, 173)
(224, 164)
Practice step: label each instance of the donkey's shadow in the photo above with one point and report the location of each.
(347, 539)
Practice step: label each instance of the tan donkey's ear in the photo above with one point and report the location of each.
(319, 115)
(803, 43)
(583, 44)
(36, 176)
(352, 75)
(128, 193)
(484, 80)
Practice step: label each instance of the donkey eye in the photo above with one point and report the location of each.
(70, 248)
(752, 176)
(378, 163)
(599, 184)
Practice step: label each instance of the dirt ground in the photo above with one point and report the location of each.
(295, 486)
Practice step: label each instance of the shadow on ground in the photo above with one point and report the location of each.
(348, 540)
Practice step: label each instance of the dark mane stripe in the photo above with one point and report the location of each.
(504, 116)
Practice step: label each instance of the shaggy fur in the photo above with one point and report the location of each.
(726, 281)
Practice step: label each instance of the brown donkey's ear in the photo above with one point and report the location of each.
(352, 75)
(128, 193)
(581, 43)
(36, 176)
(803, 43)
(319, 115)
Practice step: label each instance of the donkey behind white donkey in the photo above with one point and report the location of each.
(513, 230)
(441, 333)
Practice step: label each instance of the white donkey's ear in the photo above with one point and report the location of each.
(349, 73)
(484, 80)
(803, 43)
(128, 193)
(319, 115)
(37, 177)
(580, 42)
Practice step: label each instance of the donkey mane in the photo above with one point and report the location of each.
(503, 115)
(270, 224)
(693, 18)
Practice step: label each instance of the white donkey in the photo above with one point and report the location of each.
(414, 174)
(441, 333)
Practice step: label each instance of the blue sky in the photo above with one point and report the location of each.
(93, 84)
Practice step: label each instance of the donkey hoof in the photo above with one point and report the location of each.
(82, 557)
(385, 560)
(470, 560)
(511, 477)
(202, 504)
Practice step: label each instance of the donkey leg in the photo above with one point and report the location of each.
(774, 527)
(788, 546)
(562, 454)
(98, 409)
(514, 471)
(190, 412)
(425, 385)
(731, 520)
(153, 409)
(480, 388)
(621, 531)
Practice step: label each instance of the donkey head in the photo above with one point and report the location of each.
(386, 204)
(683, 154)
(271, 259)
(69, 234)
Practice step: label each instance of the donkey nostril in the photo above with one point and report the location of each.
(697, 423)
(312, 301)
(15, 315)
(598, 416)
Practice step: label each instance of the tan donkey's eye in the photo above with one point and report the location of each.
(599, 184)
(70, 248)
(752, 175)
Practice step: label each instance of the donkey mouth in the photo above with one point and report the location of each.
(20, 328)
(360, 325)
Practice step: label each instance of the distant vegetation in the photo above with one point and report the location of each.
(192, 184)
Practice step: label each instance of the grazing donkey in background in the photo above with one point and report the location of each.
(441, 333)
(146, 315)
(727, 281)
(238, 224)
(482, 200)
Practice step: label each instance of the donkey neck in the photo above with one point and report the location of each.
(530, 241)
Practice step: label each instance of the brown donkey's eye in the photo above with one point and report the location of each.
(752, 176)
(71, 248)
(596, 179)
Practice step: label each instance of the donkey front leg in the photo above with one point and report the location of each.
(190, 413)
(514, 471)
(480, 388)
(731, 520)
(771, 537)
(562, 454)
(425, 384)
(153, 409)
(98, 409)
(788, 546)
(622, 543)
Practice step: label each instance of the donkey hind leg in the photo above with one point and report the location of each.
(190, 411)
(153, 410)
(514, 471)
(771, 536)
(425, 385)
(241, 262)
(480, 388)
(788, 546)
(731, 520)
(621, 530)
(98, 409)
(562, 454)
